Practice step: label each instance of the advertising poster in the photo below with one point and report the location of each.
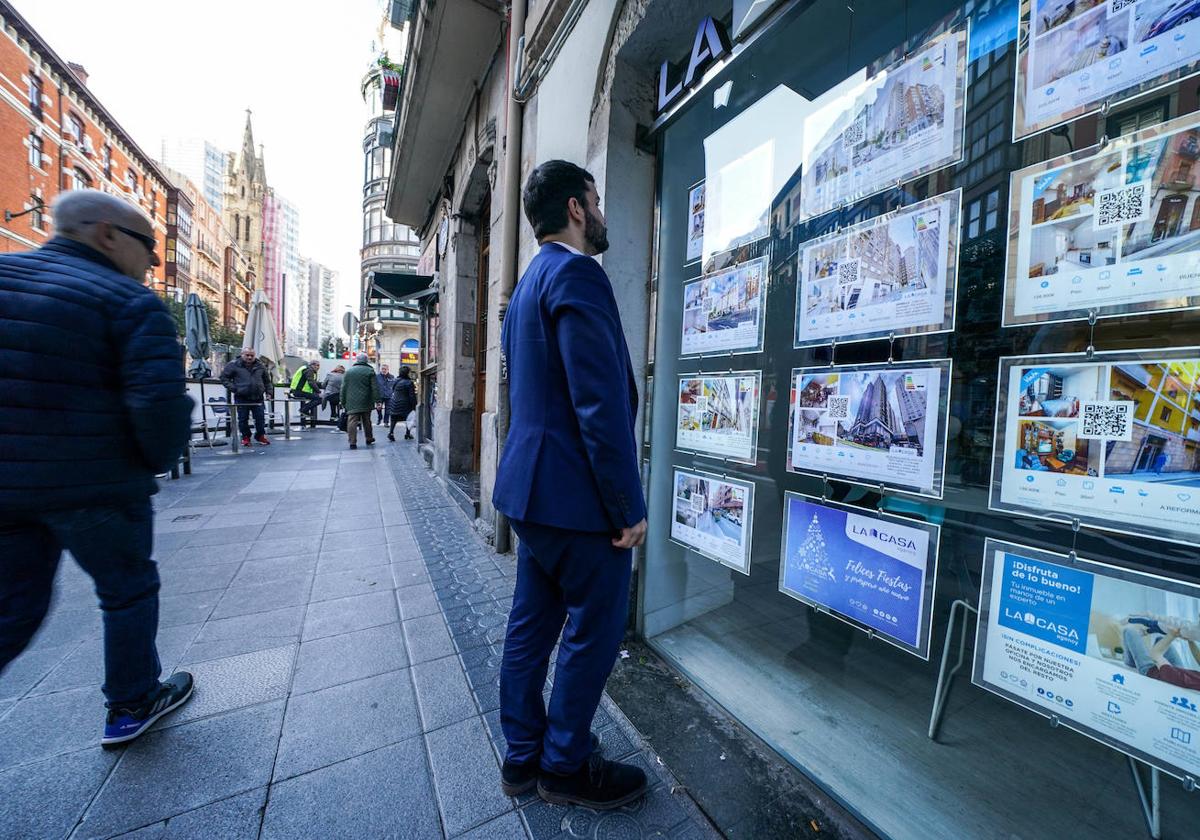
(1113, 230)
(872, 424)
(723, 311)
(892, 274)
(875, 571)
(1113, 441)
(695, 228)
(746, 163)
(718, 414)
(714, 516)
(872, 132)
(1075, 55)
(1112, 653)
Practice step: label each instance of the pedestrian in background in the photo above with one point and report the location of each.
(403, 403)
(360, 392)
(387, 381)
(305, 388)
(247, 381)
(77, 467)
(569, 482)
(331, 391)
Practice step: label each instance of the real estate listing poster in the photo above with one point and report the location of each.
(1075, 55)
(1112, 440)
(873, 131)
(872, 424)
(714, 516)
(894, 274)
(873, 570)
(1112, 230)
(695, 228)
(718, 414)
(1111, 653)
(723, 311)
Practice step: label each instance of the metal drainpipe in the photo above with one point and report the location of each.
(510, 225)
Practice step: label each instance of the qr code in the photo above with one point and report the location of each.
(847, 272)
(1109, 419)
(1122, 205)
(837, 407)
(1115, 7)
(855, 133)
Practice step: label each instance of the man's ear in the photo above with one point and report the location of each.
(576, 210)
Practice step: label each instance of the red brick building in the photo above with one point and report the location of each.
(55, 135)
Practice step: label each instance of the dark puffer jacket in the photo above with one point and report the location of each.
(92, 400)
(247, 384)
(404, 398)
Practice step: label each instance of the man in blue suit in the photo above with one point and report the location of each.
(568, 480)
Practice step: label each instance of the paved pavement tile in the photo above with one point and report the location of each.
(191, 608)
(344, 559)
(193, 556)
(46, 799)
(184, 767)
(466, 776)
(354, 539)
(385, 793)
(505, 827)
(427, 638)
(331, 585)
(245, 633)
(39, 727)
(236, 818)
(261, 597)
(238, 535)
(334, 660)
(296, 542)
(184, 581)
(358, 522)
(443, 693)
(26, 671)
(346, 720)
(85, 665)
(274, 568)
(236, 682)
(342, 615)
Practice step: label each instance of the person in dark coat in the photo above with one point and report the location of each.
(360, 392)
(402, 403)
(568, 480)
(77, 466)
(387, 382)
(248, 382)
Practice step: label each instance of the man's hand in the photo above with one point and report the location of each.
(631, 537)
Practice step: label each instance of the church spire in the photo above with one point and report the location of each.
(249, 161)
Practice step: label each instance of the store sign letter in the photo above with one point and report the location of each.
(711, 45)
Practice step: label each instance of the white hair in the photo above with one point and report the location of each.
(74, 210)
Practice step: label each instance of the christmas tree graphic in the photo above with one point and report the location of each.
(811, 558)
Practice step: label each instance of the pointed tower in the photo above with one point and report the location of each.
(245, 190)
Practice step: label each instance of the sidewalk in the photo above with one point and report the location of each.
(344, 624)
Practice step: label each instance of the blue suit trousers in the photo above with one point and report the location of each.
(577, 583)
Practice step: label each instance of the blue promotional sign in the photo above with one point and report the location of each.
(873, 570)
(1046, 601)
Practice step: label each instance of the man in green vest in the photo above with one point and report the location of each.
(304, 387)
(360, 392)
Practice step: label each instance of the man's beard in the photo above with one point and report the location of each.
(595, 234)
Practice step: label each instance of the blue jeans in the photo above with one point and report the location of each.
(1137, 650)
(580, 579)
(113, 545)
(260, 419)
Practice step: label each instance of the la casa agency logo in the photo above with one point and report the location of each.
(884, 537)
(1063, 631)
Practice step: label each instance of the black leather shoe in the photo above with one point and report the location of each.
(515, 779)
(599, 784)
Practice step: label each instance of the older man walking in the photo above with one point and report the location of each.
(360, 392)
(76, 310)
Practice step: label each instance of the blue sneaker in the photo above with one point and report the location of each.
(123, 725)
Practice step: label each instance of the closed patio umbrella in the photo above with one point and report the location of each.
(260, 332)
(196, 336)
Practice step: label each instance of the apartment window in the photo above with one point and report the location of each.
(35, 94)
(1165, 416)
(973, 213)
(35, 149)
(37, 219)
(107, 156)
(247, 228)
(74, 128)
(80, 179)
(237, 226)
(991, 220)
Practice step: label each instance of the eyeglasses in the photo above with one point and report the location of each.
(148, 242)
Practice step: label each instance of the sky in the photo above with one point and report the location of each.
(192, 70)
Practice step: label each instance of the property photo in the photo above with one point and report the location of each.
(1052, 445)
(1057, 392)
(1089, 38)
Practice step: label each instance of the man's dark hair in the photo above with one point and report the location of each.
(548, 189)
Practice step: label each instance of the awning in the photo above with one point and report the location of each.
(391, 89)
(452, 45)
(399, 285)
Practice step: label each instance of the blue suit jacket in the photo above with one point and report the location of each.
(570, 460)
